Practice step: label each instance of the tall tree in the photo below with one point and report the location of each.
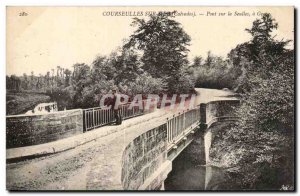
(81, 80)
(197, 61)
(127, 66)
(101, 70)
(164, 45)
(32, 85)
(67, 77)
(265, 132)
(25, 82)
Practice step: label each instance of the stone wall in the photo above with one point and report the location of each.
(221, 108)
(145, 159)
(26, 130)
(143, 156)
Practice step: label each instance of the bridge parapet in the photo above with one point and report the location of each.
(146, 160)
(217, 111)
(140, 158)
(220, 110)
(134, 159)
(143, 158)
(27, 130)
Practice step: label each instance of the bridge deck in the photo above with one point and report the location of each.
(82, 167)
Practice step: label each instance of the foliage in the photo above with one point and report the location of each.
(259, 149)
(153, 60)
(164, 47)
(183, 81)
(214, 72)
(21, 102)
(260, 56)
(146, 84)
(63, 97)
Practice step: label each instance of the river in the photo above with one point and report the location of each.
(189, 174)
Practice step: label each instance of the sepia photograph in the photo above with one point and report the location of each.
(150, 98)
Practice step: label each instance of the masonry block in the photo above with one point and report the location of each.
(27, 130)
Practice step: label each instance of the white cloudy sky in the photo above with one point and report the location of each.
(61, 36)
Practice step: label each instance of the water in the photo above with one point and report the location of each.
(192, 177)
(189, 173)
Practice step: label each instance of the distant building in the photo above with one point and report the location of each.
(44, 108)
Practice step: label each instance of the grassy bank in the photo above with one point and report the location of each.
(21, 102)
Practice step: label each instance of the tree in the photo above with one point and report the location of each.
(13, 83)
(81, 80)
(32, 82)
(146, 84)
(215, 72)
(197, 61)
(260, 146)
(67, 77)
(103, 69)
(25, 82)
(47, 79)
(209, 59)
(127, 66)
(164, 46)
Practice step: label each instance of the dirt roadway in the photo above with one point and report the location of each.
(205, 95)
(71, 170)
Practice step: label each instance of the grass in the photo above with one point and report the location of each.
(21, 102)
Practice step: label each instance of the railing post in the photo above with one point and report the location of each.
(93, 117)
(168, 130)
(183, 121)
(84, 120)
(104, 116)
(173, 127)
(175, 131)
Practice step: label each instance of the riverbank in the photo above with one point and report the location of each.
(258, 164)
(21, 102)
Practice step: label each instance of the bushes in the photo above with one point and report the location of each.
(63, 97)
(215, 73)
(146, 84)
(261, 144)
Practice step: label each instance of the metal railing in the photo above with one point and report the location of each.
(97, 117)
(180, 123)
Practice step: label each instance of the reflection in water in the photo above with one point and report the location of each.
(195, 178)
(207, 144)
(188, 174)
(208, 176)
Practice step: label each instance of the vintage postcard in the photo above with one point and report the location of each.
(150, 98)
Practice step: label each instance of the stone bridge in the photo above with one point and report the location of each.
(136, 156)
(147, 160)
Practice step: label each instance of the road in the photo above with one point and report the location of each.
(206, 95)
(75, 169)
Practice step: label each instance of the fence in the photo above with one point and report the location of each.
(177, 125)
(97, 117)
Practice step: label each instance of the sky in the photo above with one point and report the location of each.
(39, 39)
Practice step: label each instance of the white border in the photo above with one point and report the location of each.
(150, 3)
